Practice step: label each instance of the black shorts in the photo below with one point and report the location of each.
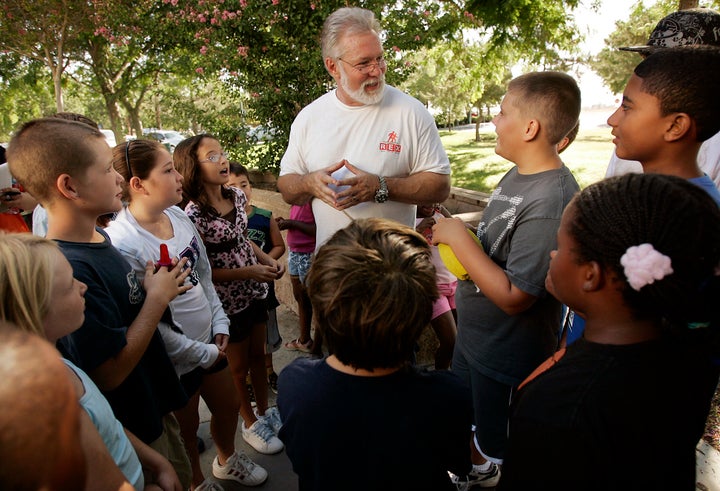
(192, 380)
(241, 324)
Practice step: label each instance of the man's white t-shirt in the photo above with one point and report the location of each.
(395, 138)
(708, 160)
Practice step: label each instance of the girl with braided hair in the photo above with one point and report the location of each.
(625, 406)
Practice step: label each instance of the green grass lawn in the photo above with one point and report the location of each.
(476, 166)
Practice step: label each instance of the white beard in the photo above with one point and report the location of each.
(359, 95)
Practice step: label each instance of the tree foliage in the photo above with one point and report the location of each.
(46, 32)
(270, 48)
(615, 66)
(452, 76)
(223, 65)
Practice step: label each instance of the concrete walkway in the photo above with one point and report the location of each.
(280, 474)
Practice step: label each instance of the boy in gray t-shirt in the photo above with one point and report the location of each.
(507, 323)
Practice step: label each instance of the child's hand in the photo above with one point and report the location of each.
(280, 269)
(282, 223)
(446, 230)
(425, 223)
(164, 285)
(166, 478)
(262, 272)
(221, 341)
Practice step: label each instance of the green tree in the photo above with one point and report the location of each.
(492, 95)
(540, 30)
(450, 77)
(121, 61)
(270, 49)
(25, 92)
(615, 66)
(46, 32)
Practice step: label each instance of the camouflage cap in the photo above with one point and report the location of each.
(683, 28)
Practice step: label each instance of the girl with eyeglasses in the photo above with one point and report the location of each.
(240, 271)
(198, 342)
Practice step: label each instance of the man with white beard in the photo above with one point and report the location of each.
(364, 149)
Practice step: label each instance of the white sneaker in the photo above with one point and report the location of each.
(261, 437)
(209, 485)
(241, 469)
(272, 418)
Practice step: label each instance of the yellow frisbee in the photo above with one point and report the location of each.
(451, 261)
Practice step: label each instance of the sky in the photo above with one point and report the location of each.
(598, 25)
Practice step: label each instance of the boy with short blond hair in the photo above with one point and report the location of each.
(670, 106)
(68, 166)
(507, 322)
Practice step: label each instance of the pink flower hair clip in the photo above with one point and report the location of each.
(643, 265)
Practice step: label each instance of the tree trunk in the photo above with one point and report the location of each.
(57, 83)
(133, 114)
(156, 106)
(689, 4)
(113, 110)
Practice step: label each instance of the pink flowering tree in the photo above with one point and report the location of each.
(270, 49)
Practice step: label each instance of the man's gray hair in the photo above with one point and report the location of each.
(344, 21)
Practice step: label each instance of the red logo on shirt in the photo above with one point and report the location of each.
(390, 145)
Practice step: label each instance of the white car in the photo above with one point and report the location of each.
(110, 137)
(169, 138)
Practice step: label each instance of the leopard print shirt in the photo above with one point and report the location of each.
(228, 247)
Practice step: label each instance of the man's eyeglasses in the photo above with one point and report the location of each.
(215, 158)
(367, 67)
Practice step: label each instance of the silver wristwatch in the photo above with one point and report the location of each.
(381, 195)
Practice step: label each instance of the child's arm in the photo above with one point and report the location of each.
(161, 287)
(304, 227)
(103, 472)
(276, 239)
(186, 353)
(483, 271)
(264, 272)
(161, 469)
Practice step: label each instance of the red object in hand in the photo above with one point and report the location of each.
(164, 258)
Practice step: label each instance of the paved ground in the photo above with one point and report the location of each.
(281, 476)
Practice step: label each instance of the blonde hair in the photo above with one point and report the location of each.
(26, 284)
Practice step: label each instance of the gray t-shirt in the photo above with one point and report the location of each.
(518, 231)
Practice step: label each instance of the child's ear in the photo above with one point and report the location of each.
(680, 125)
(135, 184)
(532, 130)
(594, 277)
(66, 186)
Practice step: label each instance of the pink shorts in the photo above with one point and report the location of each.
(446, 302)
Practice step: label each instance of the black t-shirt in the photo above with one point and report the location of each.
(399, 431)
(112, 301)
(611, 417)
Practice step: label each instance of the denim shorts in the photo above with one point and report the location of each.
(299, 264)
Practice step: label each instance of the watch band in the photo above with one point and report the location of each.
(381, 195)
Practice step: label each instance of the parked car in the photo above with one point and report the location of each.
(261, 133)
(169, 138)
(110, 137)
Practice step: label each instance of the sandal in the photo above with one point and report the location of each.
(296, 345)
